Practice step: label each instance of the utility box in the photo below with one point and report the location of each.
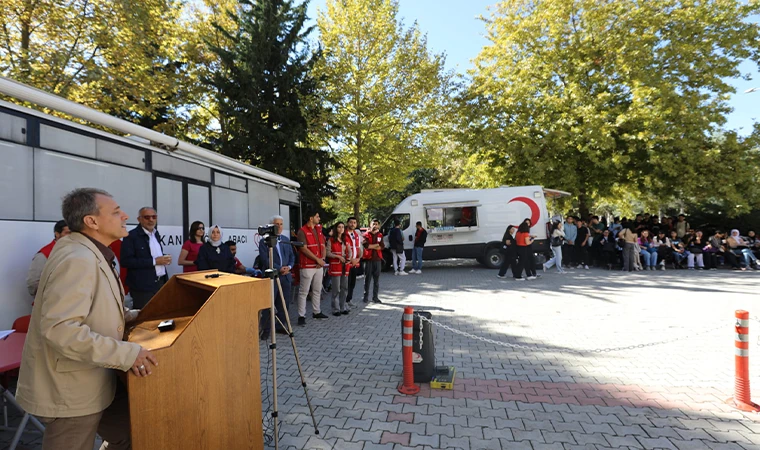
(423, 358)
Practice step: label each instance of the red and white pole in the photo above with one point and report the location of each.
(742, 399)
(407, 335)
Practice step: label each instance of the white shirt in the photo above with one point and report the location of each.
(155, 251)
(356, 243)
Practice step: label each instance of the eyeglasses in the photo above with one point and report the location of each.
(150, 217)
(201, 228)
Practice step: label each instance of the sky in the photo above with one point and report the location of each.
(452, 28)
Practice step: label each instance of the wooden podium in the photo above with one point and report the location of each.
(205, 392)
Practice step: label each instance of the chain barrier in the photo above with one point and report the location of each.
(579, 352)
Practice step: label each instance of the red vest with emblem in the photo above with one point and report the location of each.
(314, 242)
(354, 245)
(372, 239)
(337, 268)
(47, 249)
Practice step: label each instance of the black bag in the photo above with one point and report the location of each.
(557, 241)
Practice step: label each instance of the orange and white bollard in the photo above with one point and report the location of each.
(742, 398)
(407, 335)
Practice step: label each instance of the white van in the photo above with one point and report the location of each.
(469, 223)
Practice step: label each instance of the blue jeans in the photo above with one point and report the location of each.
(649, 257)
(417, 258)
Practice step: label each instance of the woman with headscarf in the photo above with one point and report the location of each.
(740, 247)
(214, 254)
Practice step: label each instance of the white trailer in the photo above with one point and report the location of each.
(469, 223)
(44, 157)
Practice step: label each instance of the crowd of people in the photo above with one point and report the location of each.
(643, 243)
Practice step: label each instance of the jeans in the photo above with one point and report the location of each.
(339, 290)
(557, 258)
(417, 258)
(399, 260)
(372, 272)
(649, 257)
(749, 258)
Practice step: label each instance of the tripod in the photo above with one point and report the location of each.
(271, 241)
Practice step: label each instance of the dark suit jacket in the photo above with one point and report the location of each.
(136, 258)
(288, 256)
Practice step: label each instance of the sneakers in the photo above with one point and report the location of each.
(302, 321)
(415, 271)
(519, 279)
(365, 300)
(336, 314)
(585, 267)
(531, 278)
(376, 301)
(501, 276)
(345, 313)
(402, 273)
(359, 277)
(319, 316)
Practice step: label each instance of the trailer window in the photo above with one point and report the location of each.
(457, 217)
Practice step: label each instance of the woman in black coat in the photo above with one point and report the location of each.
(214, 254)
(509, 250)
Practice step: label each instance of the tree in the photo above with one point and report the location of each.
(602, 97)
(101, 53)
(264, 84)
(385, 90)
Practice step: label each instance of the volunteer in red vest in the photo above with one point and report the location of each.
(311, 260)
(373, 255)
(337, 257)
(354, 244)
(38, 262)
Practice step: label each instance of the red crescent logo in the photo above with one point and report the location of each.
(535, 213)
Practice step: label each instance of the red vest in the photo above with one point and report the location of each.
(354, 244)
(47, 249)
(337, 268)
(314, 242)
(371, 240)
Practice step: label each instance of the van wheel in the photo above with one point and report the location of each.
(493, 258)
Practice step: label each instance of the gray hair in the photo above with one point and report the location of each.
(80, 203)
(274, 217)
(140, 211)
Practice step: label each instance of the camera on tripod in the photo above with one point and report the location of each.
(267, 230)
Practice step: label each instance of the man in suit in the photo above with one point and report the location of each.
(284, 260)
(75, 341)
(143, 256)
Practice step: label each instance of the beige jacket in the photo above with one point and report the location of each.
(75, 335)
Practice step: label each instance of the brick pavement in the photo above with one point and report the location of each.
(663, 396)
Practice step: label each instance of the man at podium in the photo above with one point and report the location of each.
(74, 344)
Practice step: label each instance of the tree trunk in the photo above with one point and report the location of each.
(583, 206)
(26, 34)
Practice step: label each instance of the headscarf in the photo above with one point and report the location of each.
(221, 236)
(734, 233)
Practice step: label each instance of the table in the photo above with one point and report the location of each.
(10, 359)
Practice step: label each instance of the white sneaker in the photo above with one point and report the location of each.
(395, 273)
(585, 267)
(419, 271)
(544, 265)
(531, 278)
(403, 273)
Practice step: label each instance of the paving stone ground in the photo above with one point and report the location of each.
(557, 393)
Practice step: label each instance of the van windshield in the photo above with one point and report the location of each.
(388, 224)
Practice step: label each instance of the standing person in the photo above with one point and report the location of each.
(571, 234)
(556, 240)
(283, 261)
(337, 258)
(191, 247)
(311, 262)
(509, 250)
(373, 256)
(74, 346)
(214, 254)
(681, 226)
(525, 250)
(420, 237)
(583, 244)
(143, 256)
(60, 229)
(354, 242)
(396, 241)
(629, 239)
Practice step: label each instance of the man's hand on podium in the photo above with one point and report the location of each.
(141, 367)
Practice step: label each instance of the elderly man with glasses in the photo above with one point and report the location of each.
(143, 256)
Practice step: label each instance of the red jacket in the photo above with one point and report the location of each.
(47, 249)
(371, 239)
(314, 242)
(337, 268)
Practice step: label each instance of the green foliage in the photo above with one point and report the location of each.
(607, 98)
(385, 90)
(263, 83)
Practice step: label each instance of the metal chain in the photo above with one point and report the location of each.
(581, 352)
(420, 336)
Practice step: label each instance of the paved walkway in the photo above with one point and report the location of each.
(556, 393)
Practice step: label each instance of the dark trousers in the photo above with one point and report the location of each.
(581, 254)
(509, 261)
(372, 275)
(568, 254)
(141, 298)
(527, 262)
(279, 310)
(731, 259)
(711, 260)
(352, 273)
